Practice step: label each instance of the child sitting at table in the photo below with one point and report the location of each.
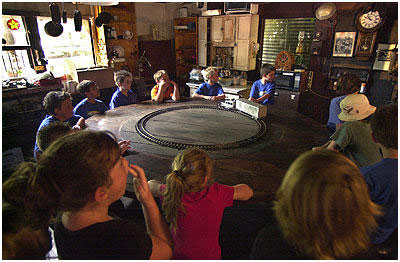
(165, 88)
(124, 95)
(193, 204)
(263, 90)
(210, 90)
(89, 106)
(59, 106)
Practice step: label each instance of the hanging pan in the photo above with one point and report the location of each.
(53, 29)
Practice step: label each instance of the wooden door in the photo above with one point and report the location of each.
(241, 55)
(229, 28)
(202, 45)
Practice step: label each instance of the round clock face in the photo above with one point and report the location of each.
(370, 20)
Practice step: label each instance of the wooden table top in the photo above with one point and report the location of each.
(261, 164)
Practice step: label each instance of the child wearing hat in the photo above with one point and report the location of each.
(354, 136)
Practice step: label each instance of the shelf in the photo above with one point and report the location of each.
(352, 66)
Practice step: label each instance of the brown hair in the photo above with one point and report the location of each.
(84, 86)
(48, 134)
(190, 167)
(323, 206)
(120, 76)
(348, 84)
(266, 69)
(54, 99)
(66, 176)
(384, 126)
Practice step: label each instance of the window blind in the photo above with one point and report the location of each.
(282, 35)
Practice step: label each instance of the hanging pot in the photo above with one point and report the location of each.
(103, 18)
(78, 20)
(64, 14)
(55, 13)
(53, 29)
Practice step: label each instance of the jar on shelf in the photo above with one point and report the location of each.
(243, 79)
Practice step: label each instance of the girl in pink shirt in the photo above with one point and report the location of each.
(193, 204)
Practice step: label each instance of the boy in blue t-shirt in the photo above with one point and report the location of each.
(90, 105)
(263, 90)
(58, 104)
(124, 95)
(210, 90)
(381, 177)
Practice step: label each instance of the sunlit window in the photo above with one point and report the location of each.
(16, 48)
(69, 46)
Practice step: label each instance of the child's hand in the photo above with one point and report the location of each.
(124, 145)
(140, 185)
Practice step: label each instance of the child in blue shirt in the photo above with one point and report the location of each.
(124, 95)
(263, 90)
(59, 106)
(382, 177)
(210, 90)
(90, 105)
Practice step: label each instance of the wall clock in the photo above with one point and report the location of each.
(370, 19)
(365, 45)
(284, 61)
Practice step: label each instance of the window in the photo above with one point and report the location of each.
(65, 53)
(283, 34)
(16, 47)
(69, 46)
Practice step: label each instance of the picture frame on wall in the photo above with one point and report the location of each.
(344, 44)
(365, 45)
(385, 55)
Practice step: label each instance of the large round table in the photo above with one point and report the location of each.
(244, 150)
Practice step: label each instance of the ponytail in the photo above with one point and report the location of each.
(173, 197)
(29, 189)
(191, 167)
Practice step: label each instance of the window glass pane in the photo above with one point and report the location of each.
(70, 45)
(15, 64)
(283, 35)
(14, 31)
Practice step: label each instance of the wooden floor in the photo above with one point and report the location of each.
(261, 165)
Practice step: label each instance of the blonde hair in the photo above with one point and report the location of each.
(209, 72)
(189, 169)
(323, 206)
(160, 73)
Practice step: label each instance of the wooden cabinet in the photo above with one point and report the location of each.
(238, 33)
(124, 23)
(185, 31)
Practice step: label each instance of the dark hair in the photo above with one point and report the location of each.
(66, 175)
(384, 125)
(266, 69)
(120, 76)
(22, 240)
(54, 99)
(84, 86)
(50, 133)
(348, 84)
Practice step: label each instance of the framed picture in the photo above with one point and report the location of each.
(344, 44)
(385, 54)
(365, 45)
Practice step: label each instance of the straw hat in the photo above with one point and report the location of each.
(355, 107)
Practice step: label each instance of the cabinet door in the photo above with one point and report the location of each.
(229, 28)
(242, 55)
(217, 29)
(243, 27)
(202, 45)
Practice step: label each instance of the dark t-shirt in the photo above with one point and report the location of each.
(114, 239)
(270, 244)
